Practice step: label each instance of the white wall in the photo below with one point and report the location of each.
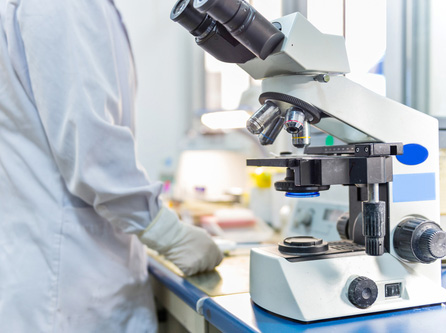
(169, 89)
(437, 58)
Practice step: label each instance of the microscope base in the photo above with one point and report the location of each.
(318, 289)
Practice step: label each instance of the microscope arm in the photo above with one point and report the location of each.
(355, 114)
(375, 116)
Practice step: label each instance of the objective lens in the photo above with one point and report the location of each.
(268, 136)
(294, 120)
(264, 116)
(244, 23)
(302, 138)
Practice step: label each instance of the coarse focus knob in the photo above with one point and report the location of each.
(362, 292)
(419, 240)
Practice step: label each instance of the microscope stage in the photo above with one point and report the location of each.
(335, 250)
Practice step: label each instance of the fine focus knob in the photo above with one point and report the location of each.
(362, 292)
(419, 240)
(433, 243)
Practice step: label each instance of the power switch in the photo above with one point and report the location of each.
(393, 290)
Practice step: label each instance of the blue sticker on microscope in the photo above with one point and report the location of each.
(413, 154)
(414, 187)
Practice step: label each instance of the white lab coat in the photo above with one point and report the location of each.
(72, 195)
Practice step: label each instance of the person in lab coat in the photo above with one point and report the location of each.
(75, 205)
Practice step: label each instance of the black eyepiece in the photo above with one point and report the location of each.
(187, 16)
(211, 35)
(244, 23)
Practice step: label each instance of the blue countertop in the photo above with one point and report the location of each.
(237, 313)
(177, 284)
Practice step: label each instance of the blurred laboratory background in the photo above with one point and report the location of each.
(395, 48)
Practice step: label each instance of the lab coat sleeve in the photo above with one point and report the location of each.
(76, 76)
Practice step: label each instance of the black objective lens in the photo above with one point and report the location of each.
(211, 35)
(244, 23)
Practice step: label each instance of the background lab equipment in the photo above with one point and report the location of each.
(389, 258)
(317, 216)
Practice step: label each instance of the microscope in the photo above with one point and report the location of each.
(390, 254)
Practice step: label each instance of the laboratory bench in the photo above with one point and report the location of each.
(219, 301)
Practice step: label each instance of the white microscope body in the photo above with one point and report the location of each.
(310, 288)
(390, 256)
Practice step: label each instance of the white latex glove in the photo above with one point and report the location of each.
(190, 248)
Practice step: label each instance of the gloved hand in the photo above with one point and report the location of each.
(190, 248)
